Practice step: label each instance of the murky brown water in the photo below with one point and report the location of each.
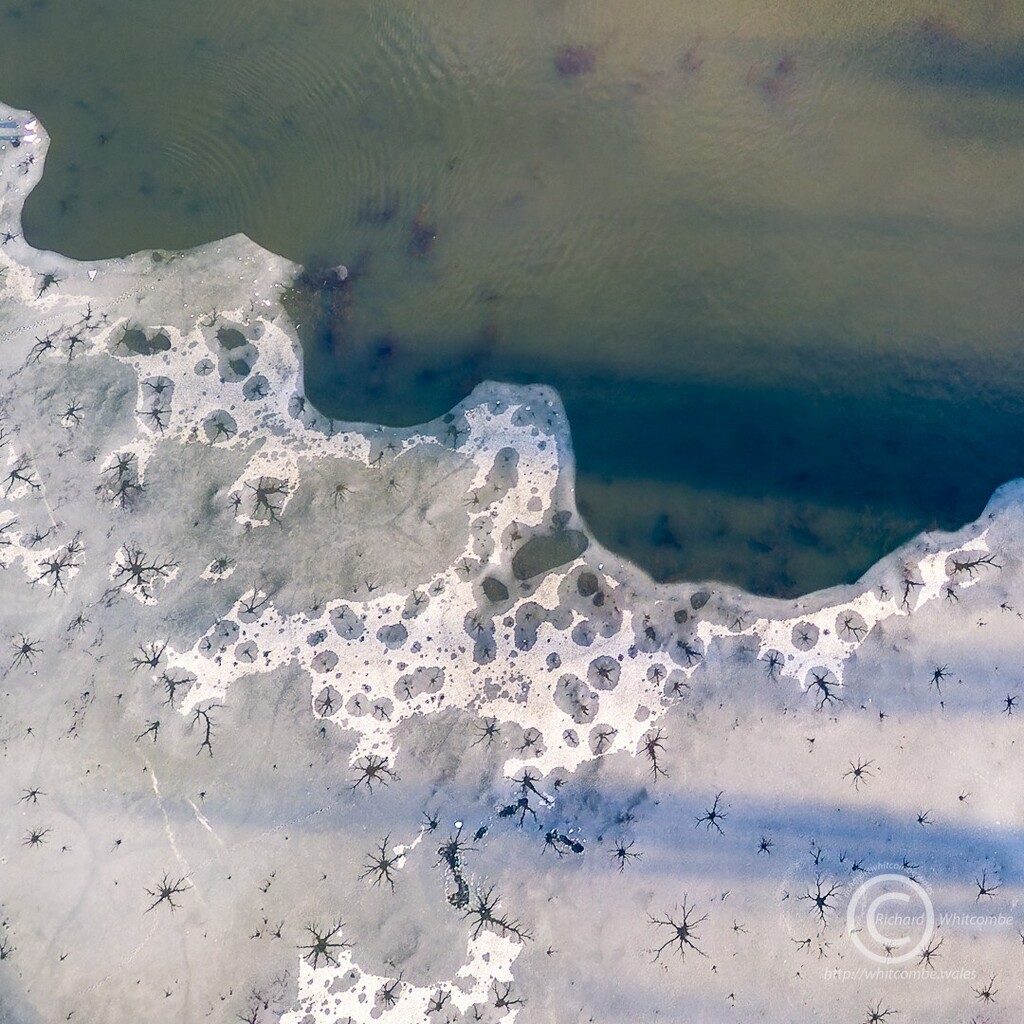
(771, 256)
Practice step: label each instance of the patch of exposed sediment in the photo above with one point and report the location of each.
(311, 720)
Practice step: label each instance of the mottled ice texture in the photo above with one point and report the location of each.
(310, 721)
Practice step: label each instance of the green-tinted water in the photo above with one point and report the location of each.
(770, 255)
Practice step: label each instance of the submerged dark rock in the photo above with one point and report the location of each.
(422, 234)
(572, 61)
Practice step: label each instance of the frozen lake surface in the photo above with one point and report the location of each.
(308, 721)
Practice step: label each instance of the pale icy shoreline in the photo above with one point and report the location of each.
(242, 572)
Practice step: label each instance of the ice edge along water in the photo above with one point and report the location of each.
(182, 397)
